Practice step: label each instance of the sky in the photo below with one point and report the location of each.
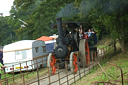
(5, 6)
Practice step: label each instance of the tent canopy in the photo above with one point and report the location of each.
(45, 38)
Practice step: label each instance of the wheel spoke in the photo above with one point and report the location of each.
(53, 69)
(75, 63)
(52, 64)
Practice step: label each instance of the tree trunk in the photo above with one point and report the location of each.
(114, 46)
(122, 40)
(122, 45)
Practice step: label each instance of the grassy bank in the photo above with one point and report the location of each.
(29, 76)
(110, 72)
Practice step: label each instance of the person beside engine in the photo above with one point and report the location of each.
(94, 36)
(90, 32)
(81, 32)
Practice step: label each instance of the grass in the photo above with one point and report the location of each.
(28, 78)
(120, 60)
(105, 41)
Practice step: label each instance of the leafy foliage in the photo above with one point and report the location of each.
(7, 34)
(106, 16)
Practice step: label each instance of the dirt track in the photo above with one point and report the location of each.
(64, 79)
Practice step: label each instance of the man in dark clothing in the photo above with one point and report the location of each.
(1, 55)
(94, 36)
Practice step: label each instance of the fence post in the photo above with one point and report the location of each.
(42, 62)
(38, 73)
(92, 60)
(79, 71)
(89, 65)
(20, 70)
(7, 81)
(114, 46)
(4, 75)
(101, 55)
(84, 64)
(13, 72)
(27, 68)
(49, 75)
(74, 78)
(23, 79)
(106, 51)
(58, 73)
(96, 58)
(32, 65)
(66, 66)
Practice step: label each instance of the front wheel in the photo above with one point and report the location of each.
(73, 62)
(51, 63)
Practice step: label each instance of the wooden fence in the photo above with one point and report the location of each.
(61, 77)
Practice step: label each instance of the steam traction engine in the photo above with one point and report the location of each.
(70, 49)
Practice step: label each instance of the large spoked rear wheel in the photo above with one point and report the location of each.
(73, 62)
(51, 63)
(85, 53)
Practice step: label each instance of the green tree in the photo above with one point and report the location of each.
(115, 18)
(43, 17)
(7, 35)
(21, 10)
(110, 14)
